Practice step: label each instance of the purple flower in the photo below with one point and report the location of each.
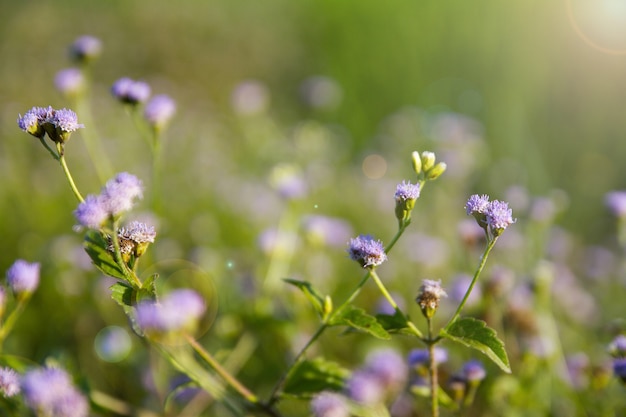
(616, 202)
(619, 368)
(85, 48)
(65, 120)
(367, 251)
(329, 404)
(177, 310)
(9, 382)
(477, 204)
(364, 387)
(419, 357)
(91, 213)
(130, 91)
(159, 111)
(389, 367)
(407, 191)
(499, 216)
(119, 193)
(23, 277)
(138, 232)
(70, 81)
(33, 120)
(51, 390)
(617, 348)
(473, 371)
(326, 230)
(250, 97)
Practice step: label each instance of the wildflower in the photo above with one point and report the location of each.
(429, 295)
(616, 202)
(418, 358)
(366, 251)
(619, 368)
(23, 277)
(159, 111)
(33, 121)
(136, 236)
(406, 194)
(365, 387)
(389, 367)
(91, 213)
(85, 48)
(60, 124)
(473, 371)
(130, 91)
(288, 181)
(250, 97)
(477, 205)
(499, 217)
(329, 404)
(70, 81)
(9, 382)
(119, 193)
(617, 348)
(50, 390)
(178, 310)
(326, 230)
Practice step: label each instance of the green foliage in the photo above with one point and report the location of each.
(96, 247)
(356, 318)
(315, 297)
(312, 376)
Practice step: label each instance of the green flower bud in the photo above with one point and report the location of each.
(436, 171)
(428, 160)
(417, 162)
(328, 307)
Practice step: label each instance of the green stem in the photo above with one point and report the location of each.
(156, 173)
(92, 144)
(481, 265)
(8, 324)
(393, 303)
(432, 370)
(68, 175)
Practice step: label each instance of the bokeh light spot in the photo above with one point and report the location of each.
(112, 344)
(374, 166)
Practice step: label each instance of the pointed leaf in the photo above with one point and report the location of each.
(148, 289)
(476, 334)
(313, 376)
(96, 247)
(358, 319)
(316, 299)
(396, 323)
(123, 294)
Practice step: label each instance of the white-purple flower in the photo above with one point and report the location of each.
(367, 251)
(429, 295)
(91, 213)
(419, 357)
(364, 387)
(120, 192)
(70, 81)
(33, 120)
(389, 367)
(329, 404)
(138, 232)
(86, 47)
(473, 371)
(65, 120)
(159, 111)
(130, 91)
(406, 191)
(23, 277)
(176, 311)
(616, 202)
(477, 204)
(9, 382)
(51, 390)
(499, 216)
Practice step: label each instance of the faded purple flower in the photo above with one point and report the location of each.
(419, 357)
(119, 193)
(130, 91)
(364, 387)
(85, 48)
(429, 295)
(138, 232)
(477, 204)
(619, 368)
(250, 97)
(367, 251)
(51, 390)
(389, 367)
(617, 347)
(92, 212)
(499, 216)
(326, 230)
(406, 191)
(70, 81)
(473, 371)
(23, 277)
(159, 111)
(329, 404)
(9, 382)
(616, 202)
(177, 310)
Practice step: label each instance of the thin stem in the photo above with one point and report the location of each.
(393, 303)
(8, 324)
(90, 139)
(432, 370)
(52, 152)
(481, 265)
(68, 175)
(156, 172)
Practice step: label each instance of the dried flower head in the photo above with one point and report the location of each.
(429, 295)
(9, 382)
(367, 251)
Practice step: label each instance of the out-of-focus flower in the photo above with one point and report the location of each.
(120, 192)
(86, 48)
(178, 310)
(364, 387)
(329, 404)
(159, 110)
(70, 82)
(287, 179)
(389, 367)
(428, 297)
(91, 213)
(619, 368)
(367, 251)
(459, 287)
(473, 371)
(9, 382)
(130, 91)
(320, 92)
(617, 347)
(578, 369)
(615, 201)
(250, 97)
(418, 358)
(50, 391)
(23, 277)
(326, 230)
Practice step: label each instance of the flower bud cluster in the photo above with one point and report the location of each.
(425, 165)
(367, 251)
(58, 124)
(493, 216)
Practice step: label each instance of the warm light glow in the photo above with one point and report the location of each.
(600, 23)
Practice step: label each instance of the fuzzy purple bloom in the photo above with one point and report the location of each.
(91, 213)
(616, 202)
(119, 193)
(177, 310)
(419, 357)
(367, 251)
(477, 204)
(326, 230)
(23, 277)
(499, 215)
(473, 371)
(389, 367)
(617, 348)
(130, 91)
(407, 191)
(65, 120)
(364, 387)
(138, 232)
(159, 110)
(619, 368)
(33, 120)
(51, 390)
(85, 47)
(69, 81)
(329, 404)
(9, 382)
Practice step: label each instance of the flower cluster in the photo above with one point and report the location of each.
(58, 124)
(367, 251)
(494, 216)
(405, 196)
(130, 91)
(117, 196)
(51, 390)
(178, 310)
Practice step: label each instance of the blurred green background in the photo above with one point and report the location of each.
(543, 83)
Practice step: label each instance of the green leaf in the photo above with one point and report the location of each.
(396, 323)
(148, 289)
(96, 247)
(475, 334)
(316, 299)
(123, 294)
(312, 376)
(358, 319)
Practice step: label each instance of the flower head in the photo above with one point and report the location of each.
(33, 120)
(85, 48)
(92, 212)
(135, 238)
(178, 310)
(407, 191)
(364, 387)
(619, 368)
(9, 382)
(473, 371)
(51, 389)
(477, 204)
(617, 348)
(119, 193)
(159, 111)
(429, 295)
(130, 91)
(23, 277)
(70, 81)
(616, 202)
(329, 404)
(418, 358)
(367, 251)
(499, 216)
(389, 367)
